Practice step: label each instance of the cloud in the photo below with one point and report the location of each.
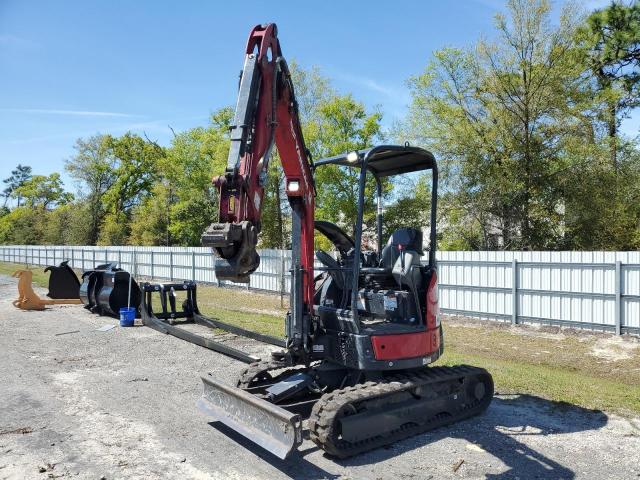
(152, 127)
(8, 40)
(373, 85)
(81, 113)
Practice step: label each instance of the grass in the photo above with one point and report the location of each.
(556, 366)
(257, 322)
(242, 300)
(258, 312)
(40, 278)
(560, 366)
(595, 371)
(557, 384)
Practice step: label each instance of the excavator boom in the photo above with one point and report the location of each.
(266, 114)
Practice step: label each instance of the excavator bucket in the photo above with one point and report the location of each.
(273, 428)
(28, 299)
(63, 281)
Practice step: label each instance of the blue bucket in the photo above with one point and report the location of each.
(127, 316)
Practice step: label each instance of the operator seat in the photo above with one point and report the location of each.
(401, 257)
(402, 239)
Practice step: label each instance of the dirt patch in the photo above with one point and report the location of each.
(614, 349)
(550, 332)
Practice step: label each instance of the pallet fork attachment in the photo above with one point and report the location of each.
(165, 320)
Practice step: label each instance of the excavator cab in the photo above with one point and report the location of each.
(384, 298)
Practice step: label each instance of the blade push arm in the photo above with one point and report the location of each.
(266, 113)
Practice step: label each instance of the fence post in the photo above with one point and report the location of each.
(618, 303)
(93, 254)
(135, 264)
(281, 278)
(171, 265)
(514, 291)
(193, 265)
(153, 275)
(120, 258)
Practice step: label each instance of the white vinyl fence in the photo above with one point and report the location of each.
(595, 290)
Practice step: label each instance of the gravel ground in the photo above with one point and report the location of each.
(121, 404)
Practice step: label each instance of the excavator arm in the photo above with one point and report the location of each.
(266, 114)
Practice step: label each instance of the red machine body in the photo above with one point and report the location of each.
(363, 323)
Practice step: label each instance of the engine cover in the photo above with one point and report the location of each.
(397, 306)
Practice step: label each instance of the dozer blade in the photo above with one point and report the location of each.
(273, 428)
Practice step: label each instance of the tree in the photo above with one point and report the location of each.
(331, 124)
(275, 208)
(21, 174)
(93, 168)
(183, 202)
(22, 226)
(410, 205)
(43, 191)
(344, 125)
(135, 172)
(497, 116)
(65, 225)
(610, 42)
(136, 162)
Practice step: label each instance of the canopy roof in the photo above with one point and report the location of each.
(385, 160)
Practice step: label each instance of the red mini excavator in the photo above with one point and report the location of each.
(362, 334)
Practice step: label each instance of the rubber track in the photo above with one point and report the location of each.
(256, 368)
(323, 416)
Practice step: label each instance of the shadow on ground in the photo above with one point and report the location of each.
(494, 432)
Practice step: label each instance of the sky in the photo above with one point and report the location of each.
(71, 69)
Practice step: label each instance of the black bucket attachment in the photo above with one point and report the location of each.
(105, 290)
(63, 282)
(114, 293)
(91, 284)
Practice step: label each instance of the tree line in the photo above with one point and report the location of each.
(526, 129)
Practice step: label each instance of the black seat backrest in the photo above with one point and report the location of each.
(408, 238)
